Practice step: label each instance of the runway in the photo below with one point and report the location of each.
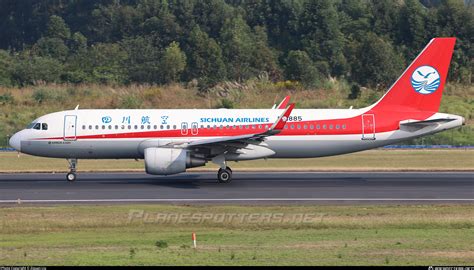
(246, 187)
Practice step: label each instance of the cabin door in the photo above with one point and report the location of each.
(368, 127)
(70, 123)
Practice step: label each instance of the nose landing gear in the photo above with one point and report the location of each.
(71, 176)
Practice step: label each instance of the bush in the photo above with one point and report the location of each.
(43, 95)
(7, 98)
(31, 70)
(131, 102)
(161, 244)
(355, 92)
(226, 103)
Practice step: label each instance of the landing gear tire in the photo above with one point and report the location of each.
(224, 176)
(71, 177)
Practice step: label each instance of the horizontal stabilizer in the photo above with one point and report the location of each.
(414, 125)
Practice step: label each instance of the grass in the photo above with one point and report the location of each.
(334, 235)
(382, 160)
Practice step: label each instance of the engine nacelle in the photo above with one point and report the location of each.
(166, 161)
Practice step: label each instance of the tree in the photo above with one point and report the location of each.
(57, 28)
(143, 62)
(300, 67)
(377, 64)
(237, 45)
(173, 63)
(53, 44)
(412, 27)
(205, 59)
(31, 69)
(321, 34)
(107, 63)
(264, 58)
(6, 65)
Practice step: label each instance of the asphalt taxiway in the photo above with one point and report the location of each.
(246, 187)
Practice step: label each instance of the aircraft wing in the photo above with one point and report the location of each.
(276, 128)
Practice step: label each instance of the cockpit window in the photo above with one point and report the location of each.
(44, 126)
(37, 126)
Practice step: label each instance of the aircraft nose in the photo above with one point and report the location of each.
(15, 141)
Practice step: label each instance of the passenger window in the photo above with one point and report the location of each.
(292, 126)
(110, 126)
(148, 127)
(338, 126)
(331, 126)
(37, 126)
(96, 127)
(318, 127)
(299, 126)
(44, 126)
(90, 127)
(324, 126)
(344, 126)
(103, 127)
(311, 126)
(135, 127)
(174, 126)
(155, 127)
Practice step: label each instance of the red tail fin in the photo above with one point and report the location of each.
(420, 87)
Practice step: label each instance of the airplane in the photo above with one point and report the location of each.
(171, 141)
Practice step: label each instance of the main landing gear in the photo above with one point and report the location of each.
(224, 176)
(71, 176)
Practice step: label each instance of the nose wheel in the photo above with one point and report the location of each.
(224, 176)
(71, 176)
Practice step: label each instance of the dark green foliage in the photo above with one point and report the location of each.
(227, 104)
(172, 63)
(6, 98)
(299, 67)
(355, 92)
(376, 63)
(205, 61)
(166, 41)
(161, 244)
(30, 69)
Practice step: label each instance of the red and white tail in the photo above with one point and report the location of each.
(421, 85)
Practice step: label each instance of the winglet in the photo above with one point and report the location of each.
(284, 103)
(281, 121)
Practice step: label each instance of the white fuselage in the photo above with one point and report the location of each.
(123, 134)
